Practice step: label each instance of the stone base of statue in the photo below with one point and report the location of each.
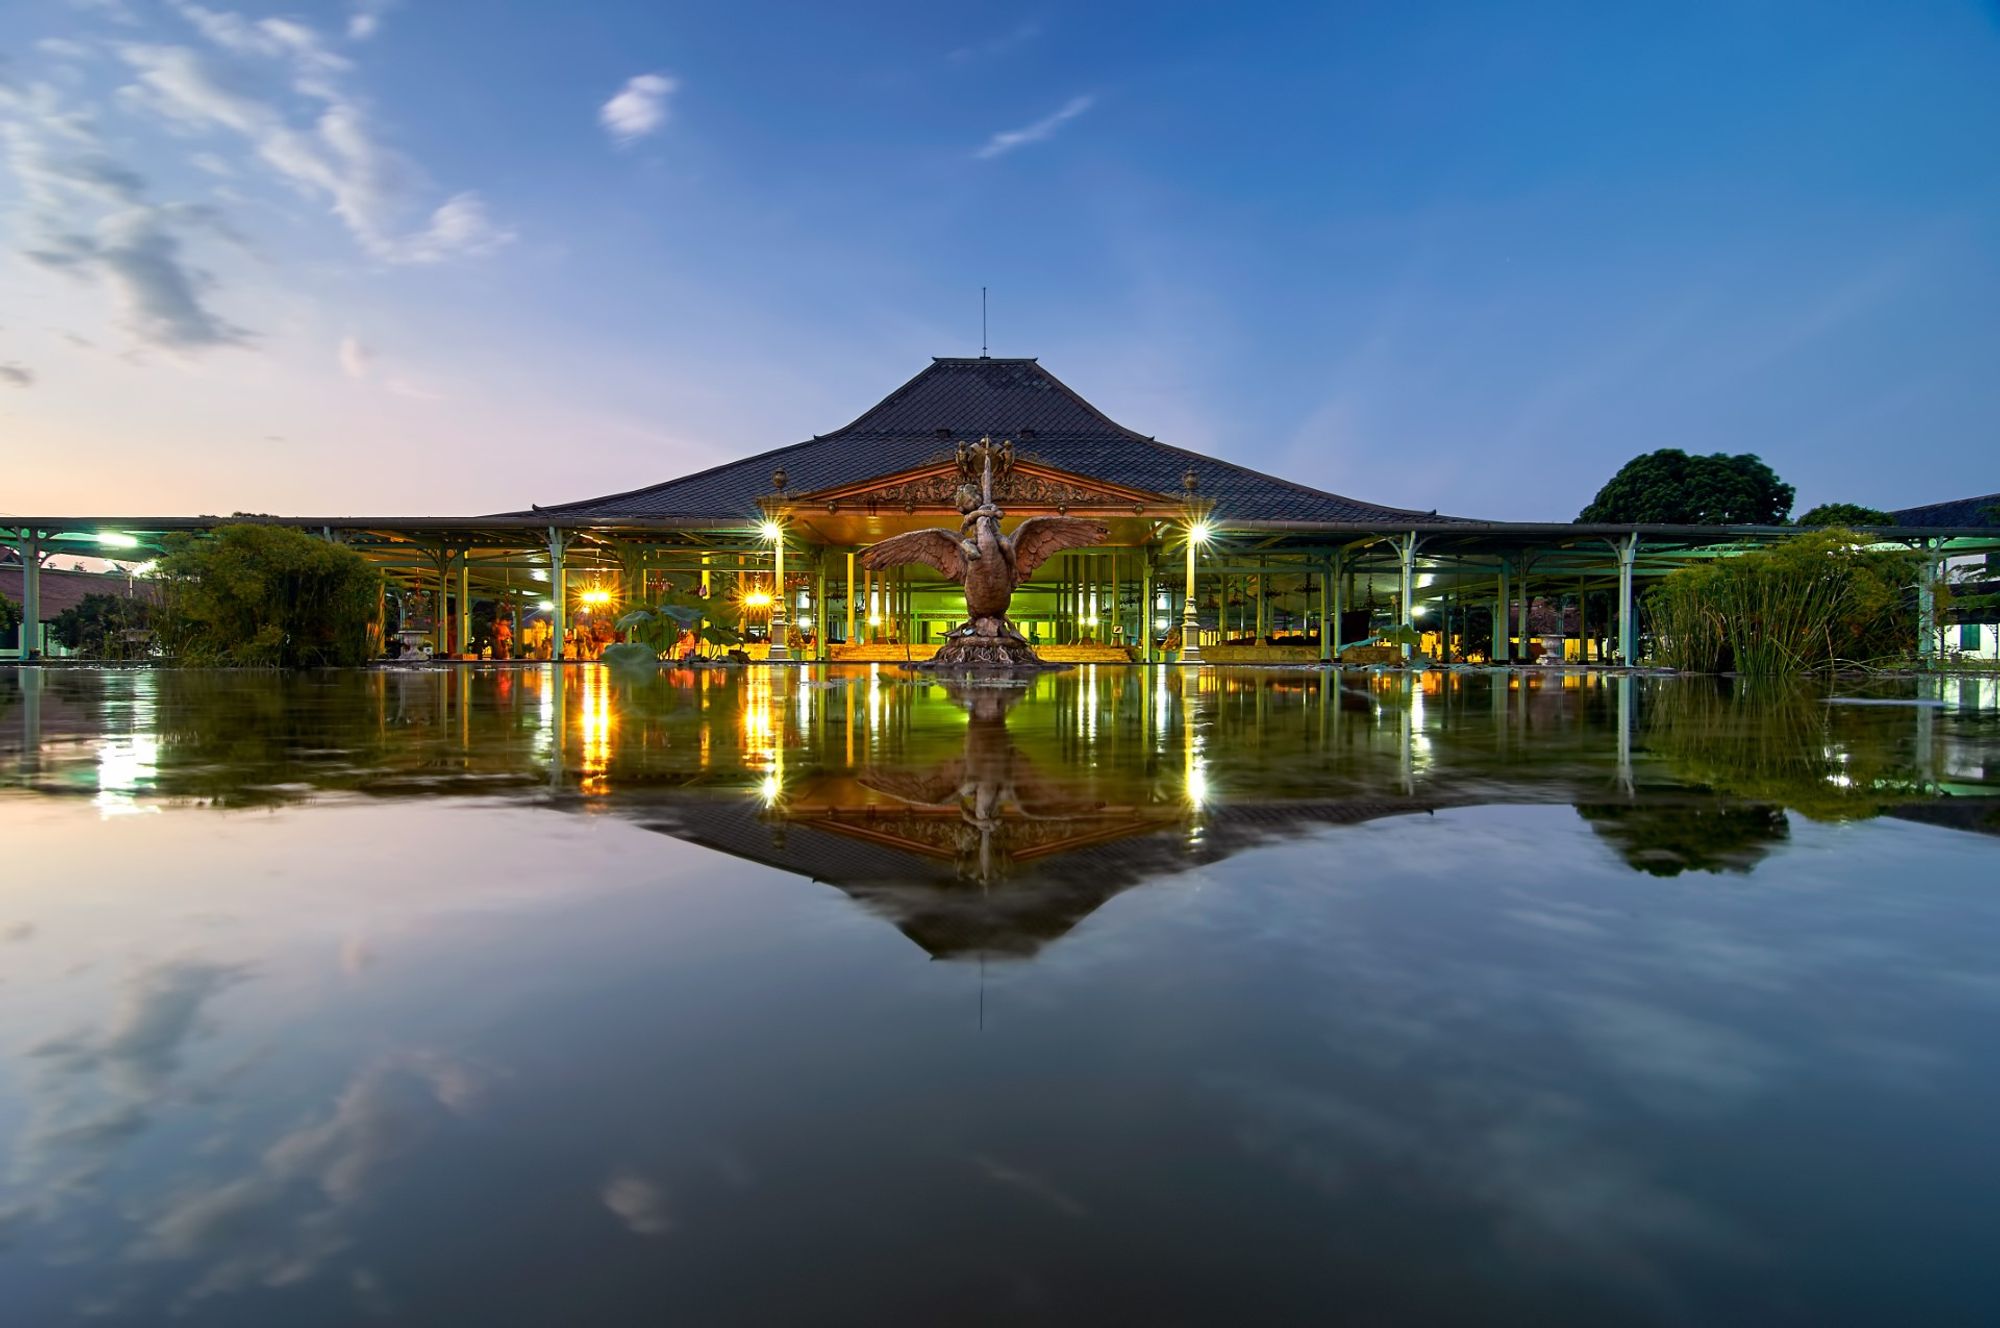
(986, 645)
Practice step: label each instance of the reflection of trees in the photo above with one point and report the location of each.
(1668, 838)
(1775, 743)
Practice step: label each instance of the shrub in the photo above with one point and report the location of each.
(1811, 602)
(105, 627)
(259, 596)
(10, 614)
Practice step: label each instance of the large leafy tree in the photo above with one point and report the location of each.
(264, 596)
(1849, 515)
(1671, 488)
(10, 614)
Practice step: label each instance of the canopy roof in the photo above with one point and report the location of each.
(959, 400)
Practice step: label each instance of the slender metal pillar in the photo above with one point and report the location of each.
(1190, 622)
(1527, 655)
(1329, 615)
(820, 626)
(1406, 549)
(781, 618)
(464, 602)
(849, 638)
(1927, 632)
(1263, 622)
(558, 596)
(1628, 625)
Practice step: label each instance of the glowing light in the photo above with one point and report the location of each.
(115, 539)
(1091, 621)
(1200, 532)
(771, 532)
(757, 599)
(596, 598)
(538, 573)
(547, 606)
(874, 620)
(1420, 611)
(804, 623)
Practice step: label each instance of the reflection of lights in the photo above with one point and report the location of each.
(1197, 783)
(117, 539)
(594, 725)
(768, 790)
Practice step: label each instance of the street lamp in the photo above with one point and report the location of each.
(774, 534)
(1198, 534)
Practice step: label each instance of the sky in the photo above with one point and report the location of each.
(416, 257)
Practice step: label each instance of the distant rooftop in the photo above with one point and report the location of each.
(1962, 512)
(959, 400)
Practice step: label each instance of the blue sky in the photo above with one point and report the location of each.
(420, 256)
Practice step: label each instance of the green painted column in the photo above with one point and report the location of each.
(31, 595)
(820, 626)
(1628, 623)
(559, 596)
(1503, 605)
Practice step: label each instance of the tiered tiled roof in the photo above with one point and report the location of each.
(960, 400)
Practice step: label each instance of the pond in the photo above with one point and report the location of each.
(520, 996)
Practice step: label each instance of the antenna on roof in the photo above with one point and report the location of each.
(982, 322)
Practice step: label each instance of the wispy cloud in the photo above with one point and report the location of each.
(1008, 139)
(339, 158)
(366, 19)
(639, 108)
(91, 217)
(1002, 44)
(18, 375)
(353, 357)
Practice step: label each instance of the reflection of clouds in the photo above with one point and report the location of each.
(1672, 1059)
(20, 931)
(638, 1203)
(98, 1087)
(283, 1220)
(1039, 1187)
(158, 1011)
(1524, 1157)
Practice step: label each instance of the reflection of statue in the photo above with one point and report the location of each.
(988, 564)
(993, 778)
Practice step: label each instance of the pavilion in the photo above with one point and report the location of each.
(1235, 564)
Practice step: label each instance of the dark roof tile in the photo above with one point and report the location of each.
(960, 400)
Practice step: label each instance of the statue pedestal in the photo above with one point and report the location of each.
(985, 645)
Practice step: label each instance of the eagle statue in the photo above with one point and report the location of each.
(988, 564)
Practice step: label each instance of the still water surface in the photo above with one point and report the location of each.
(838, 996)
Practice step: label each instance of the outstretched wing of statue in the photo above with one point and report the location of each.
(935, 546)
(1040, 538)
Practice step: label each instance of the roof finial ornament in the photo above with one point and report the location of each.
(1190, 481)
(779, 479)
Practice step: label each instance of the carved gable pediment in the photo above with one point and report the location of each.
(1026, 488)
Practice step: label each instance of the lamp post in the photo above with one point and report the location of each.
(779, 652)
(1197, 534)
